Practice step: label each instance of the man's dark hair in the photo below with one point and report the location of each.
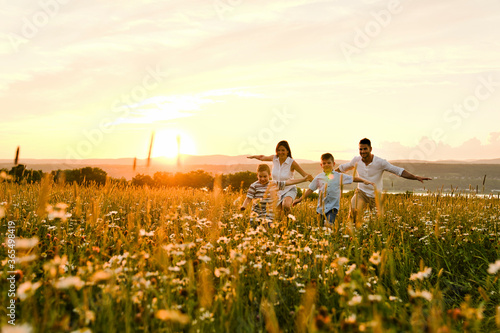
(327, 156)
(365, 141)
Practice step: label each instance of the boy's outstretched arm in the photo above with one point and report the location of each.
(361, 180)
(261, 157)
(307, 178)
(305, 195)
(245, 203)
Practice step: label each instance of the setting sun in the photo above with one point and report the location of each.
(169, 143)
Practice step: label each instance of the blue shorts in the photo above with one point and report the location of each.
(330, 216)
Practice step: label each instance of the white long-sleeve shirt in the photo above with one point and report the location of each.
(372, 172)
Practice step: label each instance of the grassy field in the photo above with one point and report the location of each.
(114, 259)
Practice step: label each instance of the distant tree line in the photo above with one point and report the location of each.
(195, 179)
(88, 175)
(19, 173)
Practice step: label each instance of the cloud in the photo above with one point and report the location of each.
(166, 108)
(428, 149)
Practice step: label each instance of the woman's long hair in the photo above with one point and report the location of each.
(286, 145)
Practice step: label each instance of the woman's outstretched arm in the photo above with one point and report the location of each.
(296, 166)
(261, 157)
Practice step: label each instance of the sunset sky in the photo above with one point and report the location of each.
(95, 79)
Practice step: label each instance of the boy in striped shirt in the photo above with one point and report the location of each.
(264, 190)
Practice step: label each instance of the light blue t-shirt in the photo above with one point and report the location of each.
(332, 183)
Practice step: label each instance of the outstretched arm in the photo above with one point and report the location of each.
(305, 195)
(245, 203)
(261, 157)
(408, 175)
(346, 166)
(361, 180)
(308, 178)
(296, 166)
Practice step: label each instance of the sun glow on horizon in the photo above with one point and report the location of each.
(170, 143)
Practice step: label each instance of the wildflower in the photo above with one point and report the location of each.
(355, 300)
(27, 289)
(291, 217)
(204, 258)
(374, 298)
(224, 240)
(181, 263)
(26, 243)
(351, 319)
(56, 265)
(421, 275)
(375, 258)
(172, 315)
(68, 282)
(350, 269)
(58, 212)
(100, 276)
(420, 293)
(341, 261)
(394, 299)
(494, 268)
(143, 232)
(341, 289)
(24, 259)
(220, 271)
(24, 328)
(89, 316)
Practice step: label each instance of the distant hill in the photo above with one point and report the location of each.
(485, 161)
(446, 174)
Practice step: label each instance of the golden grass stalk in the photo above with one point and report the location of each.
(322, 197)
(267, 309)
(355, 170)
(341, 186)
(16, 159)
(497, 316)
(205, 287)
(306, 309)
(150, 149)
(178, 151)
(378, 202)
(43, 196)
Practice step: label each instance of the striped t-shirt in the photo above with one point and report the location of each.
(263, 194)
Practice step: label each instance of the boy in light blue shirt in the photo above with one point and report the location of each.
(328, 182)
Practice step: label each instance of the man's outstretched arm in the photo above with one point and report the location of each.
(411, 176)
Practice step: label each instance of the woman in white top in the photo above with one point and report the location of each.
(283, 168)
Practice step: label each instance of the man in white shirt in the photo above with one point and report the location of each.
(371, 168)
